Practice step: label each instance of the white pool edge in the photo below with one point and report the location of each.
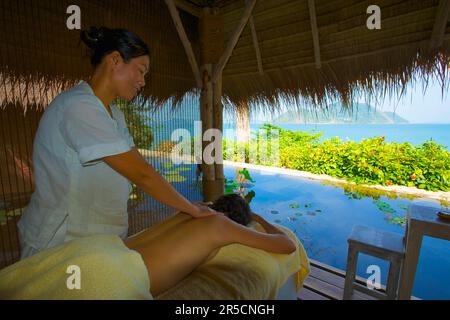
(401, 190)
(436, 195)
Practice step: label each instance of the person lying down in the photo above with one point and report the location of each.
(172, 251)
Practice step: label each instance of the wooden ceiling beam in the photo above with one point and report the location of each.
(443, 12)
(188, 7)
(232, 73)
(255, 43)
(315, 32)
(184, 39)
(233, 41)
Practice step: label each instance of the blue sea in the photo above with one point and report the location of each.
(412, 133)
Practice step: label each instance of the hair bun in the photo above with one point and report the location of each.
(92, 37)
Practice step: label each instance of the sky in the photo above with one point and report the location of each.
(417, 107)
(414, 105)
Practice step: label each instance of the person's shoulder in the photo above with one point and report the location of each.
(79, 92)
(79, 101)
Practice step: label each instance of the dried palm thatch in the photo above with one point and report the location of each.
(40, 57)
(355, 61)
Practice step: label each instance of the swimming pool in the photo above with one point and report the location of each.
(322, 216)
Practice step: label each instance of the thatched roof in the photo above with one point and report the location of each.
(353, 58)
(40, 56)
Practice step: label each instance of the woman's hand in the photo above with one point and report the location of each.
(203, 211)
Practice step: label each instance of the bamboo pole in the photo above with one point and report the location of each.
(189, 8)
(184, 39)
(255, 43)
(218, 124)
(243, 128)
(315, 32)
(232, 73)
(233, 41)
(443, 12)
(206, 113)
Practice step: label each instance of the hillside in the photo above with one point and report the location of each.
(335, 114)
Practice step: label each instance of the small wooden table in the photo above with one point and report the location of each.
(422, 221)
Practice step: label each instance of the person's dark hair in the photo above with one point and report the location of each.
(103, 41)
(234, 207)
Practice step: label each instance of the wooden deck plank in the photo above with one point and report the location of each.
(337, 281)
(324, 288)
(306, 294)
(338, 272)
(327, 283)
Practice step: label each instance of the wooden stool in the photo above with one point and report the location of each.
(385, 245)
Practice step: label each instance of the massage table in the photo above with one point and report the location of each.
(109, 270)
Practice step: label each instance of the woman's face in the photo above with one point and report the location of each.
(129, 78)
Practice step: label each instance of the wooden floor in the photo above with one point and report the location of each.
(327, 283)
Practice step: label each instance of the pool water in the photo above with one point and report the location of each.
(322, 216)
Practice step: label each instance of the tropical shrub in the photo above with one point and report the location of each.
(371, 161)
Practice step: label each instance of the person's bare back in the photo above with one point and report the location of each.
(172, 250)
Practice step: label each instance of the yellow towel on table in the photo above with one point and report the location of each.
(241, 272)
(108, 270)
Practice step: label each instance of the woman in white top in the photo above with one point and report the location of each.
(84, 158)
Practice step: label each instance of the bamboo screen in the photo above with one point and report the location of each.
(40, 57)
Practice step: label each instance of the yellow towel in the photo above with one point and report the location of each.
(107, 270)
(241, 272)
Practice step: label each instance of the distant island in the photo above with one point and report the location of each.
(361, 113)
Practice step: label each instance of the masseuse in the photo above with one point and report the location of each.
(84, 157)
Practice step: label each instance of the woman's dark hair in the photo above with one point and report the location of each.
(103, 41)
(234, 207)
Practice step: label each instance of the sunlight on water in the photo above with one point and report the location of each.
(323, 215)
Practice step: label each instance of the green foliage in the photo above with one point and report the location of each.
(137, 124)
(246, 174)
(5, 215)
(371, 161)
(398, 220)
(384, 206)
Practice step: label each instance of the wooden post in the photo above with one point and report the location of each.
(206, 113)
(211, 33)
(218, 124)
(243, 127)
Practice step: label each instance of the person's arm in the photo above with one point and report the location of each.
(133, 166)
(275, 240)
(270, 228)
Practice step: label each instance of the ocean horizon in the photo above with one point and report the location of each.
(413, 133)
